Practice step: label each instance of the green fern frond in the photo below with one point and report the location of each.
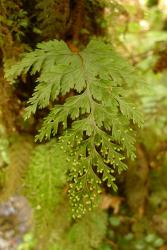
(44, 185)
(100, 134)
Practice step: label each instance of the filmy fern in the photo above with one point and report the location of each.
(96, 117)
(44, 186)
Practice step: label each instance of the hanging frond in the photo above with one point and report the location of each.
(100, 134)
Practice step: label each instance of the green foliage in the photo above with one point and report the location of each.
(149, 242)
(88, 101)
(141, 236)
(52, 16)
(13, 19)
(44, 185)
(85, 234)
(96, 117)
(89, 232)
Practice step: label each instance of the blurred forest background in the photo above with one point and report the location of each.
(134, 218)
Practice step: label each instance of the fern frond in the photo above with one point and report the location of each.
(101, 134)
(44, 186)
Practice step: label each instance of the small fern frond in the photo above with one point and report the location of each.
(44, 183)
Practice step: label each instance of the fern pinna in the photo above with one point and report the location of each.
(95, 119)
